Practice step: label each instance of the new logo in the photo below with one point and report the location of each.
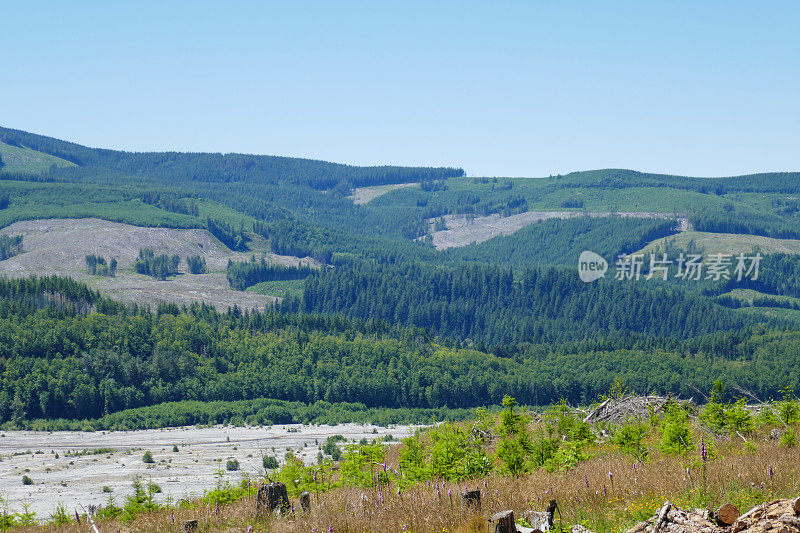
(591, 266)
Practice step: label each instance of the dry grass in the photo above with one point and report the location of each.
(585, 494)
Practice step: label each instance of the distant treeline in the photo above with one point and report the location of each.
(158, 266)
(245, 274)
(748, 223)
(260, 411)
(494, 306)
(227, 168)
(782, 182)
(56, 366)
(10, 246)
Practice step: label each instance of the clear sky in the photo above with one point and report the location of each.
(499, 88)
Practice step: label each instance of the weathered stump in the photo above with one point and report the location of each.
(727, 514)
(190, 526)
(305, 501)
(796, 506)
(541, 520)
(471, 499)
(271, 497)
(503, 522)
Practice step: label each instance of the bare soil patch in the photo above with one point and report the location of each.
(463, 231)
(364, 195)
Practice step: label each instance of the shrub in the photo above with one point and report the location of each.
(147, 458)
(789, 438)
(232, 465)
(175, 449)
(676, 437)
(27, 480)
(630, 439)
(332, 449)
(270, 462)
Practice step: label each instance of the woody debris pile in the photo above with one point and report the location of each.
(778, 516)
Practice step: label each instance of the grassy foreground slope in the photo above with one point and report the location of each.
(605, 477)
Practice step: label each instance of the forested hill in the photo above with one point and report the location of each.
(216, 167)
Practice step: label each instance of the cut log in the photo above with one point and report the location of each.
(270, 498)
(471, 499)
(503, 522)
(305, 501)
(727, 514)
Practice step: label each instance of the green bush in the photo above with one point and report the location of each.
(147, 458)
(630, 438)
(232, 465)
(789, 438)
(676, 436)
(270, 462)
(27, 480)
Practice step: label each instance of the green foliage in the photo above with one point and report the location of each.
(225, 492)
(147, 458)
(269, 462)
(10, 246)
(26, 480)
(245, 274)
(159, 267)
(676, 435)
(413, 460)
(358, 466)
(726, 417)
(789, 437)
(515, 442)
(59, 516)
(295, 475)
(330, 448)
(196, 264)
(630, 438)
(232, 465)
(140, 501)
(98, 266)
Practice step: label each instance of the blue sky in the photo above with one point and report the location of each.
(499, 88)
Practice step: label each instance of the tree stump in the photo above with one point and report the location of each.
(271, 497)
(190, 526)
(305, 501)
(503, 522)
(796, 506)
(727, 514)
(471, 499)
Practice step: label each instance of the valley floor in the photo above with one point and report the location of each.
(88, 462)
